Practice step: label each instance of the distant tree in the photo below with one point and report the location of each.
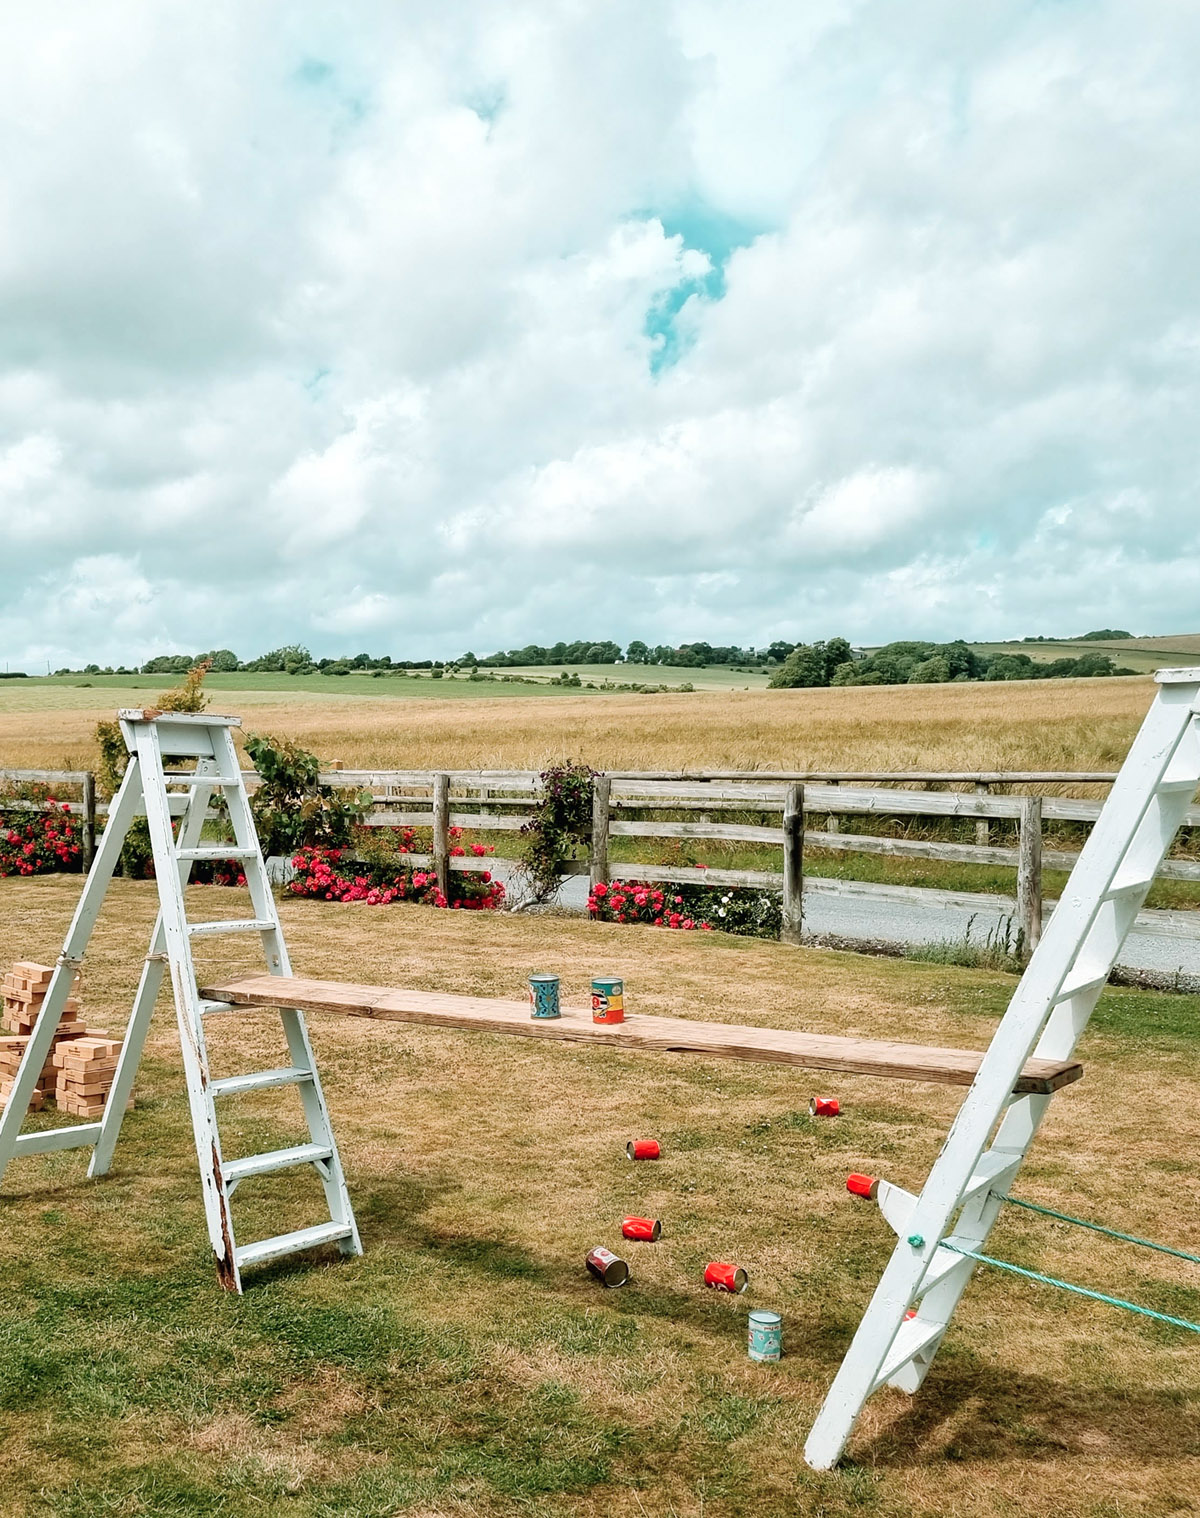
(1103, 635)
(779, 650)
(637, 653)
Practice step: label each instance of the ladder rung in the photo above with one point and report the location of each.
(214, 1006)
(190, 778)
(291, 1243)
(1128, 886)
(58, 1138)
(216, 852)
(915, 1335)
(946, 1261)
(231, 925)
(1186, 786)
(275, 1159)
(991, 1165)
(259, 1080)
(1081, 979)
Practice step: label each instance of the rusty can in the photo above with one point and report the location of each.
(543, 996)
(608, 999)
(862, 1185)
(647, 1229)
(766, 1336)
(726, 1277)
(643, 1149)
(608, 1268)
(824, 1106)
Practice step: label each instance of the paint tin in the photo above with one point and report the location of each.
(824, 1106)
(726, 1277)
(608, 1268)
(543, 996)
(647, 1229)
(862, 1185)
(608, 999)
(766, 1336)
(643, 1149)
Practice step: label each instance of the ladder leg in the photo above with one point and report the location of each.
(188, 1014)
(108, 853)
(333, 1180)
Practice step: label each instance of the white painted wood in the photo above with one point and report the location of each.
(1048, 1012)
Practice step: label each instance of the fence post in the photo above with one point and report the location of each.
(982, 831)
(89, 819)
(1029, 872)
(601, 792)
(441, 832)
(793, 865)
(833, 822)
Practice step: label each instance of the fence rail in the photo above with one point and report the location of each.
(498, 801)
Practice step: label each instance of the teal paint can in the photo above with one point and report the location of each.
(766, 1336)
(543, 996)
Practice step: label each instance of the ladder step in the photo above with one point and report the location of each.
(275, 1159)
(231, 925)
(213, 1006)
(1186, 786)
(946, 1261)
(216, 852)
(1079, 979)
(1127, 886)
(915, 1334)
(190, 778)
(990, 1167)
(290, 1243)
(259, 1080)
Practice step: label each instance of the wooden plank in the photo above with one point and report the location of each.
(792, 924)
(44, 777)
(946, 777)
(638, 1033)
(601, 821)
(686, 875)
(1029, 874)
(734, 832)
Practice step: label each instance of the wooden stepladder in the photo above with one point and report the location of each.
(935, 1255)
(177, 764)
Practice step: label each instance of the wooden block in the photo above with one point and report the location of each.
(32, 971)
(88, 1048)
(91, 1075)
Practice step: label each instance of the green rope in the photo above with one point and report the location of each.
(1112, 1233)
(1082, 1291)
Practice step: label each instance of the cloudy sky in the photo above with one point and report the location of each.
(425, 326)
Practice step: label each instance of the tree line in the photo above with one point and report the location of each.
(917, 663)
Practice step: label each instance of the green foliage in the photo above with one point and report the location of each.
(291, 807)
(1103, 635)
(811, 664)
(188, 695)
(561, 827)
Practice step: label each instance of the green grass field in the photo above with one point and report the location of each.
(467, 1367)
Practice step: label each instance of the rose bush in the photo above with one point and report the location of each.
(748, 912)
(37, 843)
(335, 875)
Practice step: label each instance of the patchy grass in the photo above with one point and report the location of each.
(467, 1364)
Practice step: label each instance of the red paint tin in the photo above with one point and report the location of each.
(643, 1149)
(726, 1277)
(862, 1185)
(647, 1229)
(608, 1268)
(824, 1106)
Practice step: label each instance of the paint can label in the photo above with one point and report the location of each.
(649, 1230)
(608, 1268)
(725, 1277)
(643, 1149)
(608, 1000)
(766, 1336)
(543, 996)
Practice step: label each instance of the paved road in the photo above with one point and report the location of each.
(881, 920)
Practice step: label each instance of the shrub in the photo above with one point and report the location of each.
(335, 875)
(741, 910)
(291, 807)
(561, 827)
(39, 842)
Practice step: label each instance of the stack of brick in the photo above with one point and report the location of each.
(24, 989)
(79, 1082)
(86, 1067)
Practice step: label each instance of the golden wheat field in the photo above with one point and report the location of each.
(1051, 724)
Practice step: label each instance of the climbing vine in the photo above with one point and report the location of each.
(559, 830)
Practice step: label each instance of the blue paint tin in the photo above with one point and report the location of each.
(766, 1336)
(543, 996)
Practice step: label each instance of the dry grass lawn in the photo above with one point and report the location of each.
(1050, 724)
(467, 1365)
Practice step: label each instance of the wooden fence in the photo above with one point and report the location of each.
(625, 805)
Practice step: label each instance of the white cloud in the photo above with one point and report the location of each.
(417, 329)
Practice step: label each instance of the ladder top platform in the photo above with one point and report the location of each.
(814, 1051)
(190, 719)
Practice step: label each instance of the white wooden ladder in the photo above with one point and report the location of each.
(177, 763)
(903, 1326)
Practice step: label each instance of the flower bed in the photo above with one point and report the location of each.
(688, 908)
(36, 843)
(335, 875)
